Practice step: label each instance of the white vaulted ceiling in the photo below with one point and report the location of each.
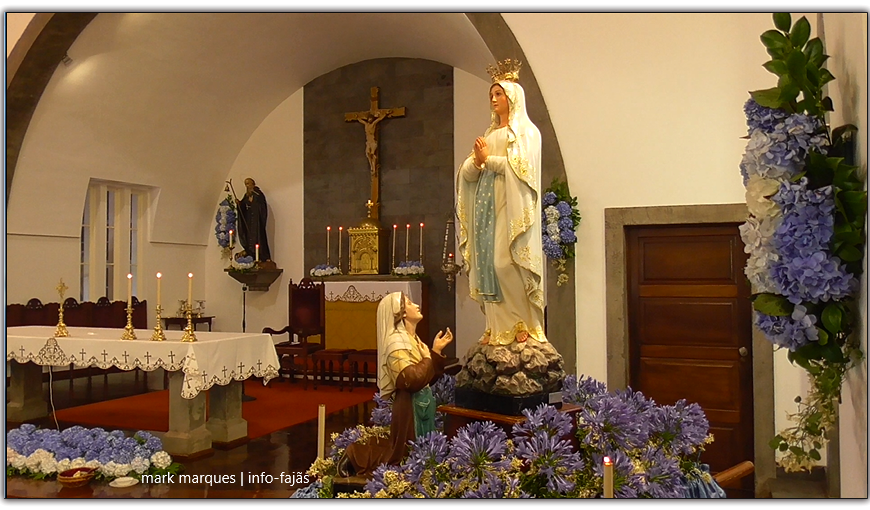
(170, 99)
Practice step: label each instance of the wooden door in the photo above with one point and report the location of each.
(690, 331)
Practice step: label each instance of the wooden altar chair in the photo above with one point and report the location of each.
(307, 303)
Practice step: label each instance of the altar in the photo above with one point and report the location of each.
(216, 362)
(352, 307)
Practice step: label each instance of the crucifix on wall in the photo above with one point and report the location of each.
(370, 120)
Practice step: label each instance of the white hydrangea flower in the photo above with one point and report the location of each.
(122, 469)
(78, 462)
(10, 454)
(95, 464)
(108, 469)
(19, 462)
(758, 271)
(552, 214)
(161, 460)
(553, 230)
(48, 466)
(140, 465)
(34, 460)
(64, 465)
(758, 189)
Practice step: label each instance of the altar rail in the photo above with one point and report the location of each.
(102, 314)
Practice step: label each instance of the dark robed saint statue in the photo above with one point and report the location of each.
(253, 213)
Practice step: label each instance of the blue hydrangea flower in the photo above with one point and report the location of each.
(762, 117)
(790, 332)
(564, 209)
(549, 198)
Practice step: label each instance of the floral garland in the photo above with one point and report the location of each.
(654, 449)
(324, 270)
(42, 453)
(409, 268)
(560, 218)
(805, 234)
(225, 220)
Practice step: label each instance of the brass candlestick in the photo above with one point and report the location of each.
(189, 335)
(61, 330)
(158, 335)
(129, 333)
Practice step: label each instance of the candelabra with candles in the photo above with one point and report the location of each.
(448, 262)
(189, 335)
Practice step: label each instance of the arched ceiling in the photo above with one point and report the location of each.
(151, 95)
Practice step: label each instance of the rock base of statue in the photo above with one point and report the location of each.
(504, 404)
(506, 379)
(519, 369)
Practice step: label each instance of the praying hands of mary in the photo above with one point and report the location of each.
(406, 367)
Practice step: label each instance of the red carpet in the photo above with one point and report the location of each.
(281, 406)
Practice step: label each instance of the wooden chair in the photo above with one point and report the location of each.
(307, 302)
(368, 359)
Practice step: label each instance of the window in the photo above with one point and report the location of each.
(111, 239)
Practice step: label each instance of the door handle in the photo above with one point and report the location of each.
(743, 351)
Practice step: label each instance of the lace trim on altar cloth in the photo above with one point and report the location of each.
(351, 295)
(195, 381)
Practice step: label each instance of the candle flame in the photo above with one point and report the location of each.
(129, 276)
(395, 226)
(607, 461)
(231, 231)
(190, 275)
(408, 225)
(341, 228)
(256, 246)
(421, 224)
(328, 228)
(159, 275)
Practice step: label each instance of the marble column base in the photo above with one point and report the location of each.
(225, 420)
(188, 434)
(26, 401)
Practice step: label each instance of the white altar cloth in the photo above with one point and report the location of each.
(214, 359)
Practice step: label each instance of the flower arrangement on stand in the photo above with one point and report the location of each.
(42, 453)
(560, 219)
(409, 268)
(243, 264)
(805, 236)
(655, 450)
(225, 220)
(324, 270)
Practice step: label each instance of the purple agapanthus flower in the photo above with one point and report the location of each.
(679, 429)
(661, 475)
(478, 448)
(426, 452)
(609, 423)
(382, 414)
(544, 418)
(576, 391)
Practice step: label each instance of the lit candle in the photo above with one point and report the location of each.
(393, 264)
(129, 290)
(159, 278)
(189, 289)
(407, 239)
(608, 477)
(328, 229)
(340, 230)
(231, 238)
(256, 253)
(321, 430)
(421, 243)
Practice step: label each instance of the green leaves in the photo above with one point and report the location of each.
(774, 40)
(800, 32)
(782, 21)
(768, 97)
(772, 304)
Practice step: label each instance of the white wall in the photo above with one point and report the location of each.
(846, 42)
(273, 158)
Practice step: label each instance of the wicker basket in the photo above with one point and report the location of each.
(69, 479)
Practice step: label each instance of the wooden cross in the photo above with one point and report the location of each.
(370, 120)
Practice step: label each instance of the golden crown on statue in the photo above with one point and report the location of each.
(506, 70)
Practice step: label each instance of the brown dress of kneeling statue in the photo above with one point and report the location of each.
(406, 366)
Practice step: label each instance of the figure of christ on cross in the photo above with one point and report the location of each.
(370, 120)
